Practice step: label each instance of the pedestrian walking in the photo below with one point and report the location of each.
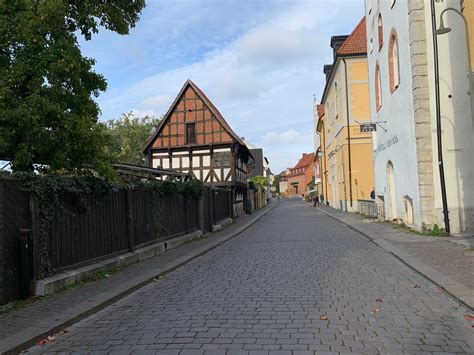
(321, 199)
(316, 200)
(372, 194)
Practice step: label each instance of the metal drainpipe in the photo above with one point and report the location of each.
(438, 120)
(348, 131)
(325, 163)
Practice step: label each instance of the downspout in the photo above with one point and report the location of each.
(438, 119)
(348, 131)
(325, 163)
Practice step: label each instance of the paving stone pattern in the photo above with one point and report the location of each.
(48, 307)
(452, 256)
(264, 292)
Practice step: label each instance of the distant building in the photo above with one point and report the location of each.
(194, 138)
(283, 183)
(402, 77)
(297, 177)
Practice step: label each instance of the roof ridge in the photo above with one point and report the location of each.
(359, 44)
(207, 101)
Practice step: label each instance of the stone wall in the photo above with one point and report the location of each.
(421, 109)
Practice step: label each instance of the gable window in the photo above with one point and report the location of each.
(378, 89)
(190, 133)
(380, 31)
(393, 62)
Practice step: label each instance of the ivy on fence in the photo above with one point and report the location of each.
(49, 192)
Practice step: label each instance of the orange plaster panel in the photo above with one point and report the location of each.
(189, 94)
(216, 125)
(208, 126)
(190, 105)
(180, 140)
(181, 129)
(199, 104)
(200, 127)
(200, 139)
(190, 116)
(166, 142)
(226, 137)
(157, 143)
(173, 141)
(181, 105)
(207, 114)
(199, 115)
(173, 129)
(166, 130)
(180, 117)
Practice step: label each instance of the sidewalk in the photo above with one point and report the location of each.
(447, 261)
(24, 327)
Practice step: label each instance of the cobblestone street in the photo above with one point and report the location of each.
(271, 289)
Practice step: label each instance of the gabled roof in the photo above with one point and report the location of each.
(209, 105)
(356, 43)
(305, 161)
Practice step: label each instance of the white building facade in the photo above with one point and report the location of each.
(403, 103)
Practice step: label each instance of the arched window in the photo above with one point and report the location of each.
(378, 89)
(380, 31)
(393, 62)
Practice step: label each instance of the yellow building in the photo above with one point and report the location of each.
(467, 8)
(347, 168)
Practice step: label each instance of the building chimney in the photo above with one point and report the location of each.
(336, 43)
(327, 70)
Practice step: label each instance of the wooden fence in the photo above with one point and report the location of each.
(112, 224)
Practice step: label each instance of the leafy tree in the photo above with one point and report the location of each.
(259, 181)
(276, 183)
(47, 112)
(128, 135)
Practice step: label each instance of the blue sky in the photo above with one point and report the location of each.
(259, 61)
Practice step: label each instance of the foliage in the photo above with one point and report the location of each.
(49, 191)
(276, 183)
(189, 189)
(436, 231)
(192, 189)
(47, 112)
(128, 135)
(259, 181)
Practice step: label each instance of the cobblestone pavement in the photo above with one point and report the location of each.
(266, 290)
(451, 256)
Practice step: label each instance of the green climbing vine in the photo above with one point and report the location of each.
(192, 189)
(49, 192)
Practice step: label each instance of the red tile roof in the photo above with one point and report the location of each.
(356, 43)
(320, 110)
(306, 160)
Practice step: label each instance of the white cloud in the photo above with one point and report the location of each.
(286, 137)
(159, 101)
(262, 81)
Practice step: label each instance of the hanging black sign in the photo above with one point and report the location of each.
(368, 127)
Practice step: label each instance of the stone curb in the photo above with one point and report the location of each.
(29, 336)
(461, 293)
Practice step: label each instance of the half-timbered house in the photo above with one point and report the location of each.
(194, 138)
